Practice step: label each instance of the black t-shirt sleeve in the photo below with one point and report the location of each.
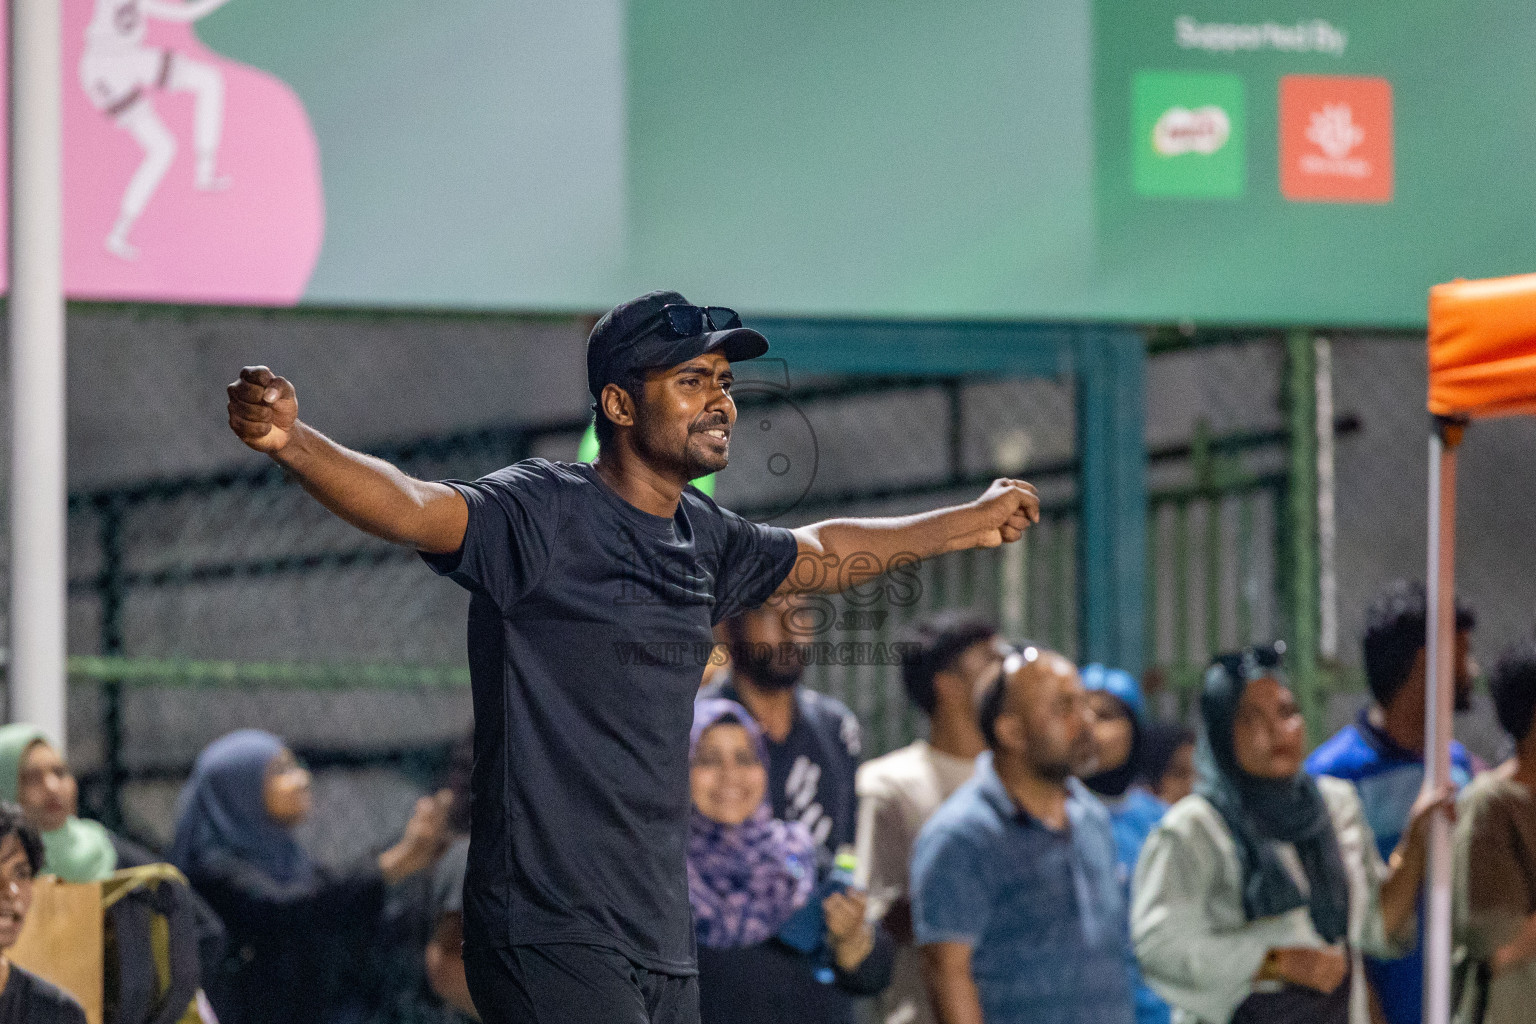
(513, 514)
(754, 560)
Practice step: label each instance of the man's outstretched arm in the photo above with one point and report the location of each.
(839, 553)
(367, 492)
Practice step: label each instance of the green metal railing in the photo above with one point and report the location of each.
(1279, 499)
(1185, 531)
(174, 672)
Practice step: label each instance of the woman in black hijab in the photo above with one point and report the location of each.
(1256, 895)
(301, 936)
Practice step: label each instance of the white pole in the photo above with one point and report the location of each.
(1440, 650)
(1327, 565)
(36, 313)
(1015, 603)
(1010, 454)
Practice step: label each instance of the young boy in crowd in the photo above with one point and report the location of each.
(24, 997)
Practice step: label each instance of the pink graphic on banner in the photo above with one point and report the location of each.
(187, 177)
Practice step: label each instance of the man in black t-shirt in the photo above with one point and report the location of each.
(594, 592)
(24, 997)
(813, 739)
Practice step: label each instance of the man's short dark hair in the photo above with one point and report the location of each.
(993, 697)
(934, 645)
(1394, 635)
(12, 822)
(633, 383)
(1512, 684)
(990, 707)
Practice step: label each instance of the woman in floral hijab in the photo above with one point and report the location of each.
(748, 875)
(747, 871)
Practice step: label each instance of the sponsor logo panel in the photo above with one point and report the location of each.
(1335, 139)
(1189, 134)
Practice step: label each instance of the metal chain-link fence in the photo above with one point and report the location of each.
(237, 601)
(1216, 384)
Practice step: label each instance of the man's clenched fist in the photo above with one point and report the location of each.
(1008, 508)
(262, 409)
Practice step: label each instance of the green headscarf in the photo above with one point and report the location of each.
(80, 851)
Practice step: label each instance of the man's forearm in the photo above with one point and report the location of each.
(953, 994)
(1399, 894)
(1518, 950)
(373, 495)
(925, 534)
(849, 551)
(445, 965)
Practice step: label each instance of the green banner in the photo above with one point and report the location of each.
(1280, 162)
(1312, 164)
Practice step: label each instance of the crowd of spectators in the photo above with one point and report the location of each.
(1049, 852)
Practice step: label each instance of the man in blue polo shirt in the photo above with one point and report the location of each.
(1382, 753)
(1016, 898)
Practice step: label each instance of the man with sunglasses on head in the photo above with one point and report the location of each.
(594, 591)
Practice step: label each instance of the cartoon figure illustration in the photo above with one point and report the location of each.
(119, 72)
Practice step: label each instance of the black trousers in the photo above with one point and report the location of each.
(565, 983)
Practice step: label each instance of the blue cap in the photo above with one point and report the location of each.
(1117, 683)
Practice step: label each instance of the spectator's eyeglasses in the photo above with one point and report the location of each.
(688, 321)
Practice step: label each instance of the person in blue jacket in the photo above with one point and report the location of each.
(1119, 716)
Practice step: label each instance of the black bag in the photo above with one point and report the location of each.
(153, 971)
(1296, 1004)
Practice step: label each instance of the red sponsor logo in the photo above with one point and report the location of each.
(1335, 139)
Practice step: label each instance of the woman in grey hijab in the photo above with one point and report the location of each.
(1256, 895)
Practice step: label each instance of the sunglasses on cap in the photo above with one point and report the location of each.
(690, 321)
(1264, 656)
(1255, 662)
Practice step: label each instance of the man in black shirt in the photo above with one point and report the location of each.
(813, 739)
(24, 997)
(594, 591)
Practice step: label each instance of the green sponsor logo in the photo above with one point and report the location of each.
(1189, 134)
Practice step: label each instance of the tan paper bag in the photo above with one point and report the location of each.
(61, 940)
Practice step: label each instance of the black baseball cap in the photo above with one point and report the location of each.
(637, 336)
